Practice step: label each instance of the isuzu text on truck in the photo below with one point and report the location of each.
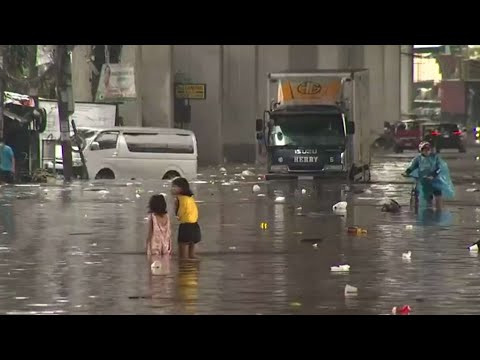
(318, 125)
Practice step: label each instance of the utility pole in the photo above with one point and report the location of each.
(65, 106)
(2, 91)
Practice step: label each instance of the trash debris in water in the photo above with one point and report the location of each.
(222, 170)
(340, 268)
(129, 184)
(409, 227)
(232, 248)
(263, 225)
(256, 188)
(156, 264)
(235, 189)
(472, 190)
(247, 173)
(341, 206)
(350, 290)
(137, 196)
(355, 230)
(280, 199)
(474, 247)
(261, 195)
(392, 207)
(304, 191)
(103, 192)
(315, 245)
(368, 191)
(5, 233)
(295, 304)
(401, 310)
(407, 255)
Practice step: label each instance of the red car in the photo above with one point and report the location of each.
(408, 134)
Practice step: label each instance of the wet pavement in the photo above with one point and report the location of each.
(79, 249)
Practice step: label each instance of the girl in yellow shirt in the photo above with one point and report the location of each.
(187, 213)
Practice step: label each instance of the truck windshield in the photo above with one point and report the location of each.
(309, 130)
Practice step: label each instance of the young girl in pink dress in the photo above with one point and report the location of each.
(159, 239)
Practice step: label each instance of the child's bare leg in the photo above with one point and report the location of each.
(183, 251)
(438, 202)
(191, 251)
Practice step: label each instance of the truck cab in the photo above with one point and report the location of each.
(309, 128)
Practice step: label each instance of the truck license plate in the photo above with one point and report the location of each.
(305, 159)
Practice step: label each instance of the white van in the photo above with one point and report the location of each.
(142, 153)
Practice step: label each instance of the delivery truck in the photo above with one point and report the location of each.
(317, 125)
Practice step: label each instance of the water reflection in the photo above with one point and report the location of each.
(187, 286)
(80, 251)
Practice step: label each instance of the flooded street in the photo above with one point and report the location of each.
(80, 249)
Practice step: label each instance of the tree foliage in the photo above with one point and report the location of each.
(22, 72)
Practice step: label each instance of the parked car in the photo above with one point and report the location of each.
(445, 136)
(408, 134)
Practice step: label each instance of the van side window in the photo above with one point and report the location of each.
(107, 140)
(159, 143)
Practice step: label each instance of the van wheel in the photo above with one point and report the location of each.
(105, 174)
(170, 175)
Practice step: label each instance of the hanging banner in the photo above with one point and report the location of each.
(45, 54)
(117, 83)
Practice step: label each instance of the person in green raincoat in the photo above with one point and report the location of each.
(433, 177)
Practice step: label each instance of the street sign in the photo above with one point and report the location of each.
(191, 91)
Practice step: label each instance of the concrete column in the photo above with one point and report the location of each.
(204, 64)
(406, 79)
(391, 83)
(374, 61)
(239, 102)
(303, 57)
(332, 56)
(157, 85)
(131, 110)
(271, 58)
(81, 73)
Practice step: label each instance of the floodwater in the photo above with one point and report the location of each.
(79, 249)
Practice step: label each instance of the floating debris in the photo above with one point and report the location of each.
(355, 230)
(232, 248)
(350, 290)
(472, 190)
(304, 191)
(263, 225)
(247, 173)
(407, 255)
(401, 310)
(222, 170)
(256, 188)
(391, 207)
(340, 268)
(341, 206)
(474, 247)
(295, 304)
(280, 199)
(409, 227)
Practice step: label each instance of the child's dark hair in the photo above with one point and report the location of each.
(157, 205)
(184, 186)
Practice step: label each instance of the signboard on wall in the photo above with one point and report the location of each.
(117, 83)
(191, 91)
(85, 115)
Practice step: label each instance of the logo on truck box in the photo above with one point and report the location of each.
(291, 92)
(309, 88)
